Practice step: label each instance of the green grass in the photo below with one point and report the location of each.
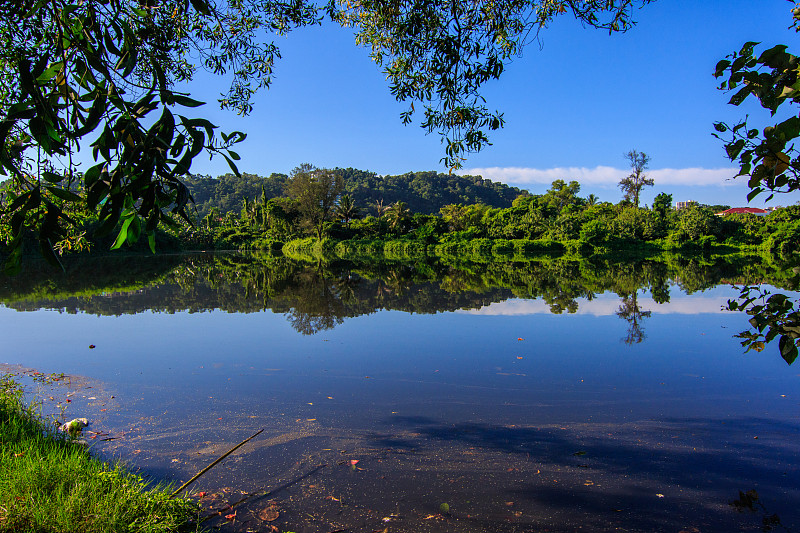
(49, 483)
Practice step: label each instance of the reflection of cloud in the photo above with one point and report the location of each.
(606, 306)
(608, 176)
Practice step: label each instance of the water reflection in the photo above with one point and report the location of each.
(319, 297)
(630, 312)
(524, 396)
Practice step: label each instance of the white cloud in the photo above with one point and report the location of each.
(606, 176)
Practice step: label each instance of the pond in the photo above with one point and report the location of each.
(549, 396)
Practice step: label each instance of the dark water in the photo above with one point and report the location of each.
(527, 397)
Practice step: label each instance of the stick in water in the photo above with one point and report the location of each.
(209, 467)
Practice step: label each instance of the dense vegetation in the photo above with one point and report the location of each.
(423, 192)
(560, 220)
(282, 212)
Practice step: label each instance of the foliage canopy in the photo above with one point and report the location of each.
(101, 74)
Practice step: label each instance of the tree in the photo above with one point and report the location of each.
(102, 74)
(399, 215)
(561, 194)
(633, 184)
(662, 204)
(770, 161)
(768, 158)
(316, 192)
(347, 209)
(380, 208)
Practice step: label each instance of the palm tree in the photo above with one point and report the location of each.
(347, 209)
(592, 200)
(380, 208)
(399, 214)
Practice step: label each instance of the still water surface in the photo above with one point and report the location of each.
(625, 414)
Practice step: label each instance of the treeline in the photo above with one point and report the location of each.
(314, 211)
(557, 221)
(422, 192)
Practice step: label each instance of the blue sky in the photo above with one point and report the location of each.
(574, 104)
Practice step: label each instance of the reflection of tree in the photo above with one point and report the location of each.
(629, 311)
(318, 297)
(316, 303)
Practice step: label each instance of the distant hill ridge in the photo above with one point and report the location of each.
(424, 192)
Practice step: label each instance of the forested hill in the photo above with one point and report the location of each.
(424, 192)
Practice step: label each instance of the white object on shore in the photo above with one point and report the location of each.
(74, 426)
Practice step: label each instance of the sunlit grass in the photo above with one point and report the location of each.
(51, 483)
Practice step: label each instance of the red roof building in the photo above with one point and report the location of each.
(744, 210)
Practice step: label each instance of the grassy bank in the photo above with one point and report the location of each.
(48, 482)
(483, 250)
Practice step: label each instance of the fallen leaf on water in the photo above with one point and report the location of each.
(660, 495)
(334, 498)
(269, 514)
(201, 494)
(92, 346)
(517, 513)
(520, 339)
(231, 516)
(509, 503)
(311, 419)
(431, 517)
(519, 357)
(330, 397)
(353, 462)
(579, 453)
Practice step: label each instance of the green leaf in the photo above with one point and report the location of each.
(50, 72)
(233, 166)
(48, 253)
(186, 101)
(134, 230)
(52, 177)
(64, 194)
(122, 236)
(201, 6)
(788, 349)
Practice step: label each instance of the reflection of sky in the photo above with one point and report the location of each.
(511, 367)
(711, 301)
(608, 304)
(464, 365)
